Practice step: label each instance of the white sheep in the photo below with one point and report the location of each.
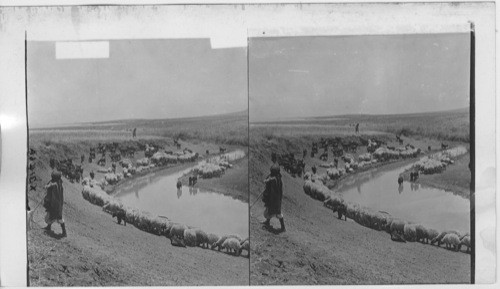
(190, 237)
(143, 162)
(410, 232)
(245, 245)
(466, 242)
(333, 173)
(237, 237)
(439, 238)
(201, 238)
(365, 157)
(222, 239)
(212, 239)
(397, 228)
(178, 230)
(111, 178)
(430, 234)
(232, 245)
(452, 241)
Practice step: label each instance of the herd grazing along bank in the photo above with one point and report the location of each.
(332, 251)
(98, 251)
(156, 156)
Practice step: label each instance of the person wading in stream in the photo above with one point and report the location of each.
(53, 202)
(272, 196)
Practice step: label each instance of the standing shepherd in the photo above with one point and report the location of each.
(134, 132)
(273, 195)
(53, 202)
(357, 128)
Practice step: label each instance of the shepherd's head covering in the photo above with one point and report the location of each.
(55, 175)
(275, 170)
(274, 157)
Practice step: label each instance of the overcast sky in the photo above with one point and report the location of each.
(141, 79)
(318, 76)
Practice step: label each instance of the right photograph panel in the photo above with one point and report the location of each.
(359, 159)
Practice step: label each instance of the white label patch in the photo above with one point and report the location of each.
(82, 50)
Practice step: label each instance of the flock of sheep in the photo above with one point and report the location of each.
(381, 154)
(179, 234)
(216, 166)
(145, 164)
(399, 230)
(437, 162)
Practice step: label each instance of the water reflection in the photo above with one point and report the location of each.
(193, 191)
(430, 206)
(415, 186)
(195, 207)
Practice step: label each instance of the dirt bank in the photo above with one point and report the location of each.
(317, 248)
(100, 252)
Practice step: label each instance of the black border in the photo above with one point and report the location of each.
(248, 151)
(472, 165)
(27, 147)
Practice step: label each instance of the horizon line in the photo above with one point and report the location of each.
(284, 119)
(75, 124)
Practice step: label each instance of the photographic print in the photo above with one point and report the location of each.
(138, 163)
(360, 159)
(248, 144)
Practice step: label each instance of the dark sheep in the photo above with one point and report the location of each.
(324, 156)
(176, 241)
(120, 215)
(102, 162)
(342, 211)
(414, 176)
(400, 180)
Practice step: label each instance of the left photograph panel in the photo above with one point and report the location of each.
(137, 163)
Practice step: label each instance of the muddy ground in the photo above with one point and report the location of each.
(99, 252)
(318, 248)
